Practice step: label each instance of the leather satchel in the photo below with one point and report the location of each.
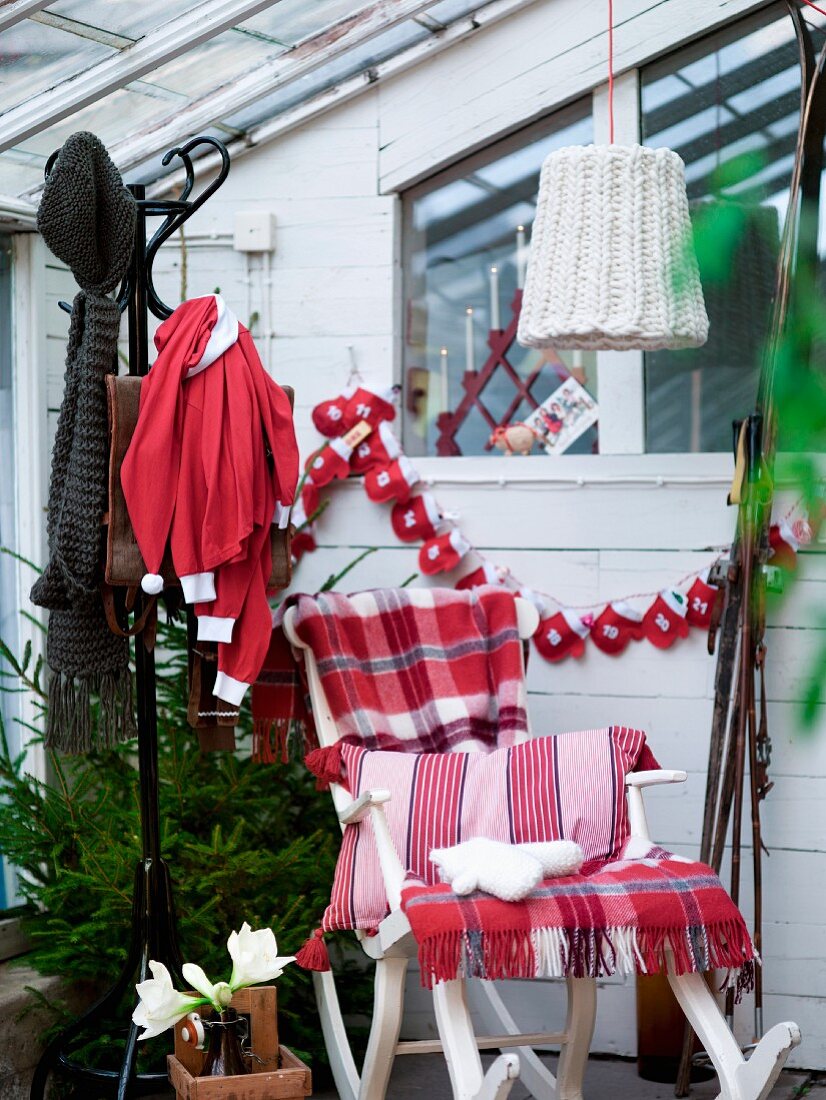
(124, 566)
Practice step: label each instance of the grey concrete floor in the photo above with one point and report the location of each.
(420, 1075)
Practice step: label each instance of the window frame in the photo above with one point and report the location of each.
(620, 374)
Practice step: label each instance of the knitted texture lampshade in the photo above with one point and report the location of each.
(612, 262)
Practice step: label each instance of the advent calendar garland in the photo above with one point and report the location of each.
(360, 441)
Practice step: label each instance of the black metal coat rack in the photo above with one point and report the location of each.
(154, 931)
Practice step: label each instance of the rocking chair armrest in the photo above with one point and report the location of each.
(654, 778)
(360, 807)
(635, 783)
(372, 803)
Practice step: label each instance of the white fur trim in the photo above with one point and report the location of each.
(622, 607)
(431, 508)
(281, 516)
(198, 587)
(408, 471)
(459, 543)
(299, 514)
(575, 622)
(539, 602)
(224, 334)
(152, 584)
(340, 447)
(229, 689)
(391, 444)
(215, 628)
(671, 598)
(491, 573)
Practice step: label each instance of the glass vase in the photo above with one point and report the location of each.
(224, 1057)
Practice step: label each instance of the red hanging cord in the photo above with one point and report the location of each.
(811, 5)
(611, 70)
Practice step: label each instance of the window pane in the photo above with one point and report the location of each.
(729, 107)
(457, 228)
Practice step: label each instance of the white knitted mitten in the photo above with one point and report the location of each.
(488, 865)
(555, 857)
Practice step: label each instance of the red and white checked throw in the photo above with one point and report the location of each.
(625, 917)
(419, 669)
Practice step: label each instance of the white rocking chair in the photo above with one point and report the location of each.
(393, 947)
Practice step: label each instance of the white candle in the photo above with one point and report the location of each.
(495, 321)
(443, 367)
(470, 365)
(521, 256)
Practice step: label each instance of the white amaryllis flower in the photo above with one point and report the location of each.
(254, 957)
(218, 994)
(160, 1005)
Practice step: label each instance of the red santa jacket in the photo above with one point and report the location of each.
(197, 467)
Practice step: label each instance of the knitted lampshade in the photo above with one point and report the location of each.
(612, 262)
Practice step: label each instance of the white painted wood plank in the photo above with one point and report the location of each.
(344, 302)
(810, 1014)
(560, 516)
(340, 163)
(621, 392)
(791, 813)
(542, 57)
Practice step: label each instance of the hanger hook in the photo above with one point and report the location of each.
(181, 208)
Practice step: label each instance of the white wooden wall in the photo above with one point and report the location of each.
(334, 282)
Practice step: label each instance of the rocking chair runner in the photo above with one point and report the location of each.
(393, 946)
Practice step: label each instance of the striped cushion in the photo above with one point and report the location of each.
(570, 786)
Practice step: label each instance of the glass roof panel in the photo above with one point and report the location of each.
(291, 21)
(78, 34)
(213, 63)
(125, 17)
(333, 72)
(18, 172)
(33, 57)
(125, 109)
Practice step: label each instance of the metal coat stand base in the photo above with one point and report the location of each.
(154, 928)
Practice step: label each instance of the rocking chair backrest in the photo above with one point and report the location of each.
(326, 729)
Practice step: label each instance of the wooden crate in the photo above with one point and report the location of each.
(260, 1005)
(279, 1075)
(293, 1079)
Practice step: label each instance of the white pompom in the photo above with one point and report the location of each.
(152, 584)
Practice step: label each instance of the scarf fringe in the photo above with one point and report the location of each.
(277, 740)
(590, 953)
(70, 725)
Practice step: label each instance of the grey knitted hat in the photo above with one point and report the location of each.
(86, 215)
(87, 218)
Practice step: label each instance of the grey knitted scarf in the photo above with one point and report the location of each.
(87, 219)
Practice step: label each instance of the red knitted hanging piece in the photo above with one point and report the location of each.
(278, 708)
(313, 955)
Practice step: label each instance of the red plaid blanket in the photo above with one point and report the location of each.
(419, 669)
(623, 917)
